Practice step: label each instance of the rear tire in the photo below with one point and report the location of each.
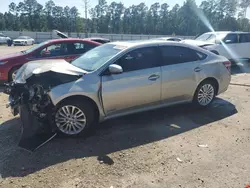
(73, 118)
(204, 94)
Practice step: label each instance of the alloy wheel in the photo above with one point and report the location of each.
(206, 94)
(70, 120)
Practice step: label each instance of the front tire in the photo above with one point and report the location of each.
(204, 94)
(73, 117)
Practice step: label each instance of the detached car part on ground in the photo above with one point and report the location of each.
(112, 80)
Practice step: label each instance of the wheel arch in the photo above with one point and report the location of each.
(82, 98)
(213, 80)
(10, 71)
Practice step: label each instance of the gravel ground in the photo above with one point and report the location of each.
(171, 147)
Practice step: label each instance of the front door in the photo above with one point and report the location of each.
(180, 73)
(138, 86)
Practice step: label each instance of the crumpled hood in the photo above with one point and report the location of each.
(42, 66)
(197, 42)
(11, 56)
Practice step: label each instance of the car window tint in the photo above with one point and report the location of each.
(54, 50)
(231, 38)
(81, 47)
(1, 35)
(244, 38)
(177, 54)
(138, 59)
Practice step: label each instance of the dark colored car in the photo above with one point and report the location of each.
(66, 48)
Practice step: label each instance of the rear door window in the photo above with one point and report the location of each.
(177, 54)
(244, 38)
(82, 47)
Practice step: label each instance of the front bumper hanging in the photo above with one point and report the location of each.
(34, 133)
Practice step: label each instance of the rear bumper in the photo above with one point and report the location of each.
(224, 84)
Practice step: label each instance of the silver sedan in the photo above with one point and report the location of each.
(122, 78)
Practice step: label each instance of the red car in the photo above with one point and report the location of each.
(66, 48)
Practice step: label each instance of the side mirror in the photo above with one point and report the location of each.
(115, 69)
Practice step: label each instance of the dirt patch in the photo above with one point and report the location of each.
(4, 50)
(139, 150)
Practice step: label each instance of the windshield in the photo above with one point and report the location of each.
(22, 37)
(35, 47)
(95, 58)
(204, 37)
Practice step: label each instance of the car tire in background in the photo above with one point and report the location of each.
(74, 117)
(12, 73)
(205, 94)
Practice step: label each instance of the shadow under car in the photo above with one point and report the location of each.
(111, 136)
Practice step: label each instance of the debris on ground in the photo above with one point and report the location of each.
(203, 146)
(179, 160)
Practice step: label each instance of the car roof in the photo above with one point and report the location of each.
(72, 40)
(135, 43)
(227, 32)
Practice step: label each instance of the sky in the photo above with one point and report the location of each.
(79, 3)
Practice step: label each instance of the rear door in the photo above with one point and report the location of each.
(180, 70)
(244, 45)
(138, 86)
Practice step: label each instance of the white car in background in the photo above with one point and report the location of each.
(232, 45)
(4, 38)
(23, 41)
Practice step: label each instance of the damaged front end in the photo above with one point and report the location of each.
(29, 97)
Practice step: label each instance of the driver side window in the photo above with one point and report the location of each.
(138, 59)
(54, 50)
(231, 39)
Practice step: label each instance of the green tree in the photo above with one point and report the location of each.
(33, 10)
(48, 9)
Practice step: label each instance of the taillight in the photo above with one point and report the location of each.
(228, 65)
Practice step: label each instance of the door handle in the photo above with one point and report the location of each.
(153, 77)
(197, 69)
